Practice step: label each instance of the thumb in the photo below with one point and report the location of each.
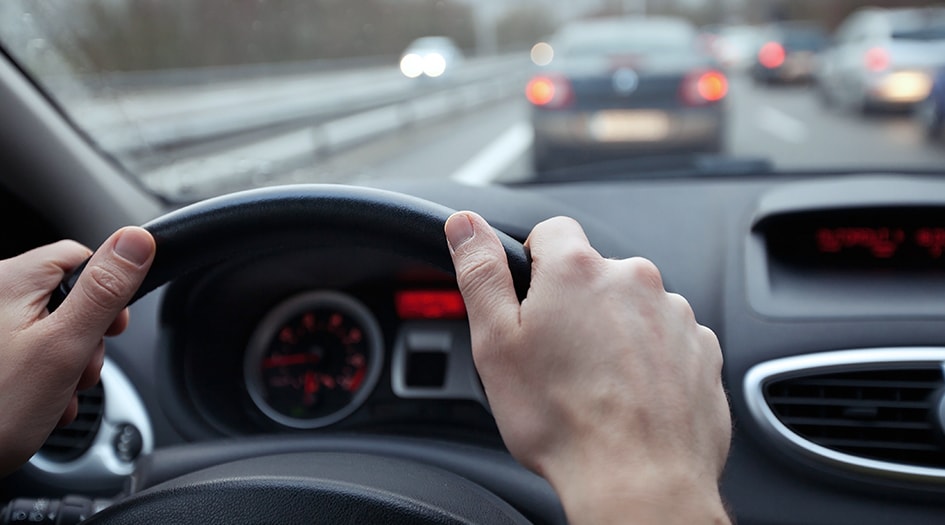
(107, 283)
(482, 272)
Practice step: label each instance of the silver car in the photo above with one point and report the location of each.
(883, 58)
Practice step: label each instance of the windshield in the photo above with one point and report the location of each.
(199, 98)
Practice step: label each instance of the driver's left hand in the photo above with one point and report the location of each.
(46, 358)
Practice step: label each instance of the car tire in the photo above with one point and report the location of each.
(930, 117)
(824, 96)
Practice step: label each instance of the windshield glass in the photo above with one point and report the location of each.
(199, 98)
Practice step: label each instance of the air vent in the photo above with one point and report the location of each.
(876, 411)
(887, 415)
(70, 442)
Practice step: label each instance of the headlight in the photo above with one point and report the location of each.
(412, 65)
(434, 65)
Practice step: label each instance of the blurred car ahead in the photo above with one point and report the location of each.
(883, 59)
(788, 53)
(931, 111)
(735, 47)
(626, 87)
(431, 57)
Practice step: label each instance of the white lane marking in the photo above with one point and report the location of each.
(489, 163)
(782, 125)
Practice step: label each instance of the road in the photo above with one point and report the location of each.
(785, 124)
(491, 142)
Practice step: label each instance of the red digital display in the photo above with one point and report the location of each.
(430, 304)
(887, 239)
(881, 242)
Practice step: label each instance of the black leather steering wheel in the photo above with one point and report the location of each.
(312, 486)
(269, 219)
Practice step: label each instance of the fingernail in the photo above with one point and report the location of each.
(459, 229)
(134, 245)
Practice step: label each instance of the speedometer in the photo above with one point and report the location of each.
(314, 359)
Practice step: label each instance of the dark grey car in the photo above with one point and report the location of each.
(625, 87)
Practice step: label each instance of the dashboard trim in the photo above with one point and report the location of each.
(122, 406)
(760, 374)
(461, 380)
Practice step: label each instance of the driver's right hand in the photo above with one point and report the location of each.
(600, 380)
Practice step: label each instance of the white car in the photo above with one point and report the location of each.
(883, 58)
(430, 56)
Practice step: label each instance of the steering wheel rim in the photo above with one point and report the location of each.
(268, 219)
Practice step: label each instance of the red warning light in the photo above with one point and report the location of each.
(430, 304)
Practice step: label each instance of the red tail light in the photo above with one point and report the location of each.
(549, 91)
(771, 55)
(877, 59)
(704, 87)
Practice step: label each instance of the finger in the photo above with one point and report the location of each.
(482, 271)
(561, 239)
(106, 285)
(72, 410)
(93, 370)
(32, 275)
(119, 324)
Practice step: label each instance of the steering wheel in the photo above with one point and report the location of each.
(382, 480)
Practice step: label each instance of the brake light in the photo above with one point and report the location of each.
(549, 91)
(877, 59)
(704, 87)
(771, 55)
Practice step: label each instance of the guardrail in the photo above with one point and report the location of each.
(184, 139)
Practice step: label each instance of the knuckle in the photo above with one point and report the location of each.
(710, 342)
(107, 286)
(681, 306)
(643, 271)
(580, 258)
(476, 274)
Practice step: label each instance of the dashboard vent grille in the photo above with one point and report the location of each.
(887, 415)
(70, 442)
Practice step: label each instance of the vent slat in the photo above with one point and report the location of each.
(70, 442)
(831, 422)
(892, 446)
(856, 383)
(876, 414)
(846, 402)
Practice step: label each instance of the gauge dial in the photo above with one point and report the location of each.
(314, 359)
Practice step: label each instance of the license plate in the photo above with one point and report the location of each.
(629, 126)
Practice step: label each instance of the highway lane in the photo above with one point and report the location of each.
(784, 124)
(792, 128)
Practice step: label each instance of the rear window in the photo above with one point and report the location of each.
(610, 40)
(804, 39)
(919, 25)
(927, 33)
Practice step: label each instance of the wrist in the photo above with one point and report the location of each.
(641, 497)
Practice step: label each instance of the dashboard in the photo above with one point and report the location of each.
(825, 291)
